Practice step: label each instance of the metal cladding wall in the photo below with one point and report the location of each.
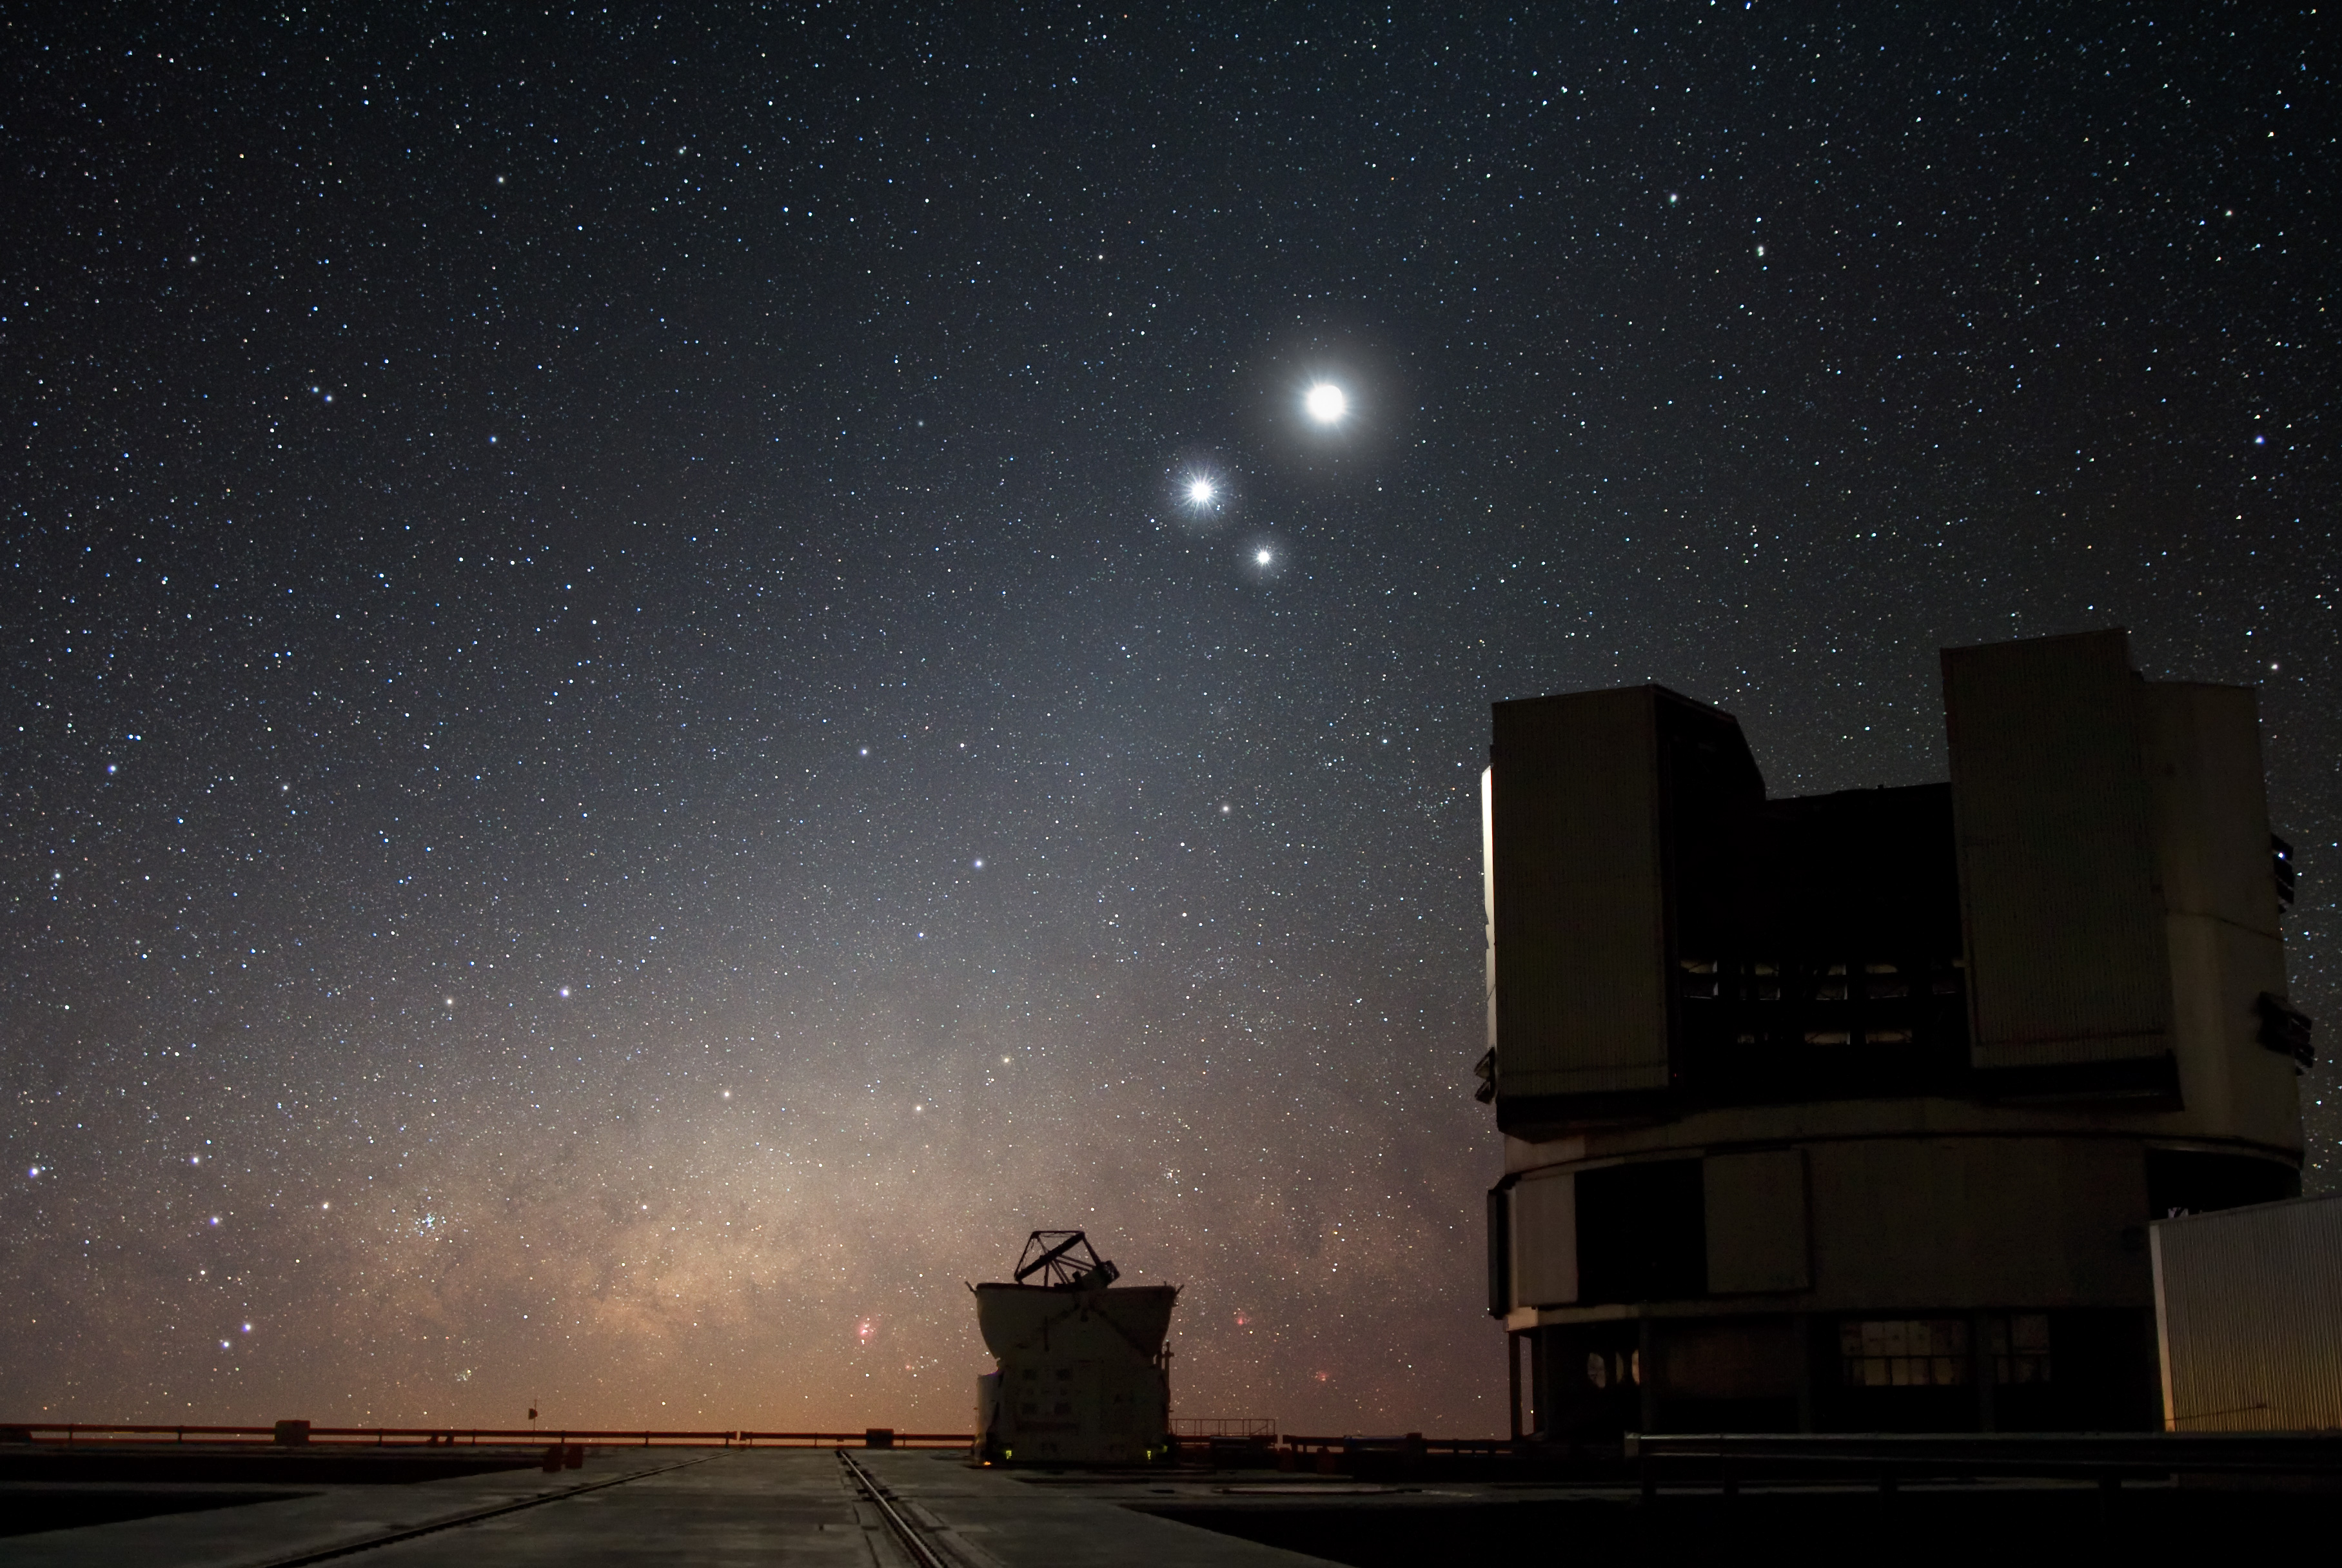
(1580, 952)
(1756, 1222)
(2064, 929)
(1544, 1241)
(1080, 1377)
(2248, 1314)
(2203, 753)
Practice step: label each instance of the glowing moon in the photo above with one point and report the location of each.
(1325, 402)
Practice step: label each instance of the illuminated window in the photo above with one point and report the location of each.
(1904, 1352)
(1700, 980)
(1606, 1370)
(1884, 980)
(2019, 1347)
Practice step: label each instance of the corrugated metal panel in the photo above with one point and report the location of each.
(2248, 1311)
(1545, 1240)
(2210, 816)
(2210, 802)
(1581, 975)
(1500, 1248)
(1757, 1238)
(1488, 894)
(2057, 882)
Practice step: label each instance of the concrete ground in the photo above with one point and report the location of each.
(697, 1508)
(668, 1507)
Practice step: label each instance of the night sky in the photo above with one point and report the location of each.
(630, 748)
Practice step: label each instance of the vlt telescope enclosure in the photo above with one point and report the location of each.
(1850, 1112)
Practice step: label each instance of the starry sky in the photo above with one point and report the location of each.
(630, 748)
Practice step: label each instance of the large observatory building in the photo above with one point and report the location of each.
(1850, 1112)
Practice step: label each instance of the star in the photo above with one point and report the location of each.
(1075, 594)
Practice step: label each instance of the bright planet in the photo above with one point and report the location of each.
(1327, 402)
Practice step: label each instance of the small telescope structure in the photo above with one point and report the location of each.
(1083, 1376)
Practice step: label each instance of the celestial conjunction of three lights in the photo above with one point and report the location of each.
(1326, 403)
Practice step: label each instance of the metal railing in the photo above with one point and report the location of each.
(1726, 1459)
(1407, 1442)
(82, 1432)
(1674, 1459)
(1245, 1426)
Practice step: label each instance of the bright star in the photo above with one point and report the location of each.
(1263, 557)
(1327, 402)
(1200, 491)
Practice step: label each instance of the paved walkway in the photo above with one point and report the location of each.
(677, 1508)
(989, 1519)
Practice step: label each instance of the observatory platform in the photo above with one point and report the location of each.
(655, 1506)
(931, 1509)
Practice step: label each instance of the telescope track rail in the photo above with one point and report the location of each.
(412, 1532)
(905, 1530)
